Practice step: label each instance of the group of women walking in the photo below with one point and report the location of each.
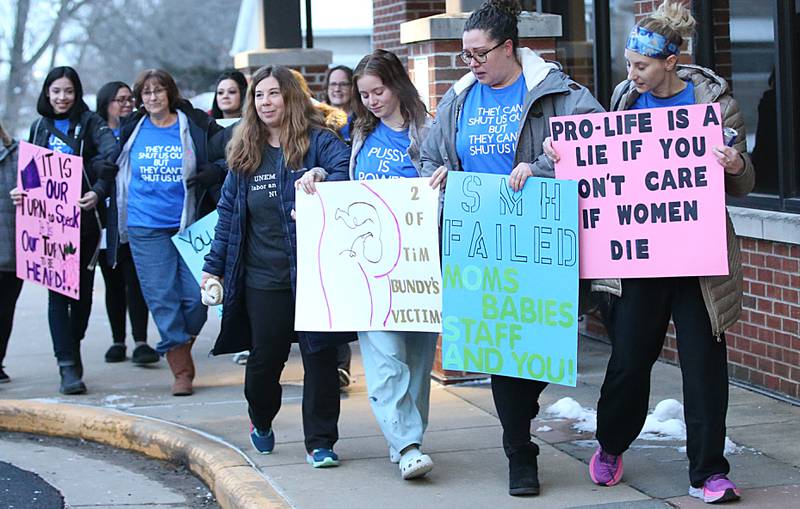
(283, 145)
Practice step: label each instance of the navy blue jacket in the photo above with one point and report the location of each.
(326, 150)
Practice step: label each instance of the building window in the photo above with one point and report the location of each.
(759, 60)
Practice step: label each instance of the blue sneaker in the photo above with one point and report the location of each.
(263, 442)
(322, 458)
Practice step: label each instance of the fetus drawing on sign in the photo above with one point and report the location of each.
(366, 235)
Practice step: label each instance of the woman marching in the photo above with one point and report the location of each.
(68, 126)
(701, 307)
(397, 365)
(164, 147)
(229, 95)
(280, 138)
(339, 93)
(504, 76)
(123, 293)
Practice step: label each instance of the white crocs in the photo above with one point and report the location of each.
(414, 464)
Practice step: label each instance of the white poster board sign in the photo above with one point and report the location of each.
(368, 257)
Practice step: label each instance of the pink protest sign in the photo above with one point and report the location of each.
(49, 219)
(651, 193)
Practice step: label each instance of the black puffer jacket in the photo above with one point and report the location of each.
(90, 138)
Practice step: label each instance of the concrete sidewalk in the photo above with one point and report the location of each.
(463, 437)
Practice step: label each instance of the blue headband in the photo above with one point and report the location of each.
(650, 44)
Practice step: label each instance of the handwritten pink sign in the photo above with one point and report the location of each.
(49, 219)
(651, 193)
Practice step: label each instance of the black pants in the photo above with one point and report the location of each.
(67, 317)
(271, 316)
(517, 403)
(11, 286)
(639, 321)
(124, 293)
(343, 355)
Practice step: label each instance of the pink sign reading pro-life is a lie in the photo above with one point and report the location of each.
(651, 192)
(49, 219)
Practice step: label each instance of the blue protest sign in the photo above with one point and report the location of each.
(510, 277)
(194, 242)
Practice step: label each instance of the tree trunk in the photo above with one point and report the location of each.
(17, 69)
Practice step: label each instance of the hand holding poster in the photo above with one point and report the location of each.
(510, 277)
(368, 257)
(194, 243)
(652, 195)
(48, 228)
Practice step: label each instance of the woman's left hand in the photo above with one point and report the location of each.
(730, 159)
(308, 181)
(88, 201)
(518, 176)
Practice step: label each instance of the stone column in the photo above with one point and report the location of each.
(434, 44)
(281, 41)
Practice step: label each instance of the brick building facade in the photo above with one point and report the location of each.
(764, 346)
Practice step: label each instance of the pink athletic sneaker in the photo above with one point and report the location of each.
(717, 489)
(605, 469)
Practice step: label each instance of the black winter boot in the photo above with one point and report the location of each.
(523, 474)
(71, 382)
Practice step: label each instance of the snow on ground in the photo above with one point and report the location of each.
(664, 423)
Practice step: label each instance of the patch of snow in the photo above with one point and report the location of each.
(567, 408)
(543, 429)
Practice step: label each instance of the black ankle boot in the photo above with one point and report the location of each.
(523, 474)
(71, 382)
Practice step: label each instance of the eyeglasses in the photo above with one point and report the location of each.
(480, 57)
(339, 84)
(154, 92)
(125, 100)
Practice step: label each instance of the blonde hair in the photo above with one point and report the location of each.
(299, 115)
(335, 118)
(5, 139)
(672, 20)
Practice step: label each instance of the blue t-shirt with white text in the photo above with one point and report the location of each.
(488, 127)
(683, 98)
(385, 155)
(55, 143)
(156, 193)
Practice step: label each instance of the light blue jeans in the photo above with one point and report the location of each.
(397, 366)
(169, 289)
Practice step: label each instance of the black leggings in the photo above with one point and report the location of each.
(271, 317)
(123, 292)
(517, 403)
(638, 325)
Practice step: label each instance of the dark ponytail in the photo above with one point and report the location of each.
(498, 18)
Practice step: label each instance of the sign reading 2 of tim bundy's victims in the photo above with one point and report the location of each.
(652, 195)
(510, 277)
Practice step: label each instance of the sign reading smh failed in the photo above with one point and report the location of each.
(651, 192)
(510, 276)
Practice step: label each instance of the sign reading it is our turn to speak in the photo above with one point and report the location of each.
(48, 222)
(651, 192)
(510, 277)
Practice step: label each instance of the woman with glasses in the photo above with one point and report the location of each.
(68, 126)
(702, 308)
(163, 147)
(338, 93)
(524, 91)
(280, 138)
(123, 293)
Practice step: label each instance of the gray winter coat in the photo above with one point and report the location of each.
(722, 294)
(8, 181)
(550, 93)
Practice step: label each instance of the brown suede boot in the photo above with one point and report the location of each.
(182, 366)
